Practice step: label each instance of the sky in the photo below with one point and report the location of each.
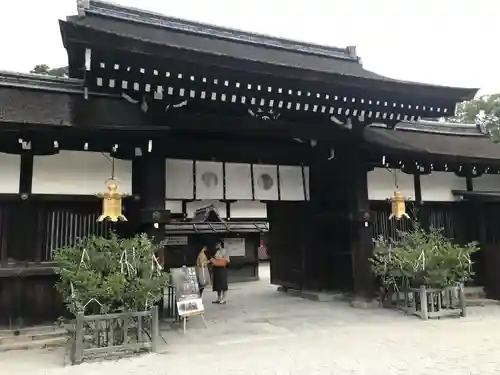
(446, 42)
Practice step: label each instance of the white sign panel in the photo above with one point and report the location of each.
(79, 172)
(381, 184)
(238, 181)
(235, 247)
(10, 171)
(291, 183)
(438, 186)
(209, 180)
(265, 182)
(188, 307)
(486, 182)
(179, 184)
(176, 240)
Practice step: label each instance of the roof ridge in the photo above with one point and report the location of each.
(39, 81)
(116, 11)
(436, 127)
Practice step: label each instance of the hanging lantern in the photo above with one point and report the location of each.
(112, 204)
(398, 206)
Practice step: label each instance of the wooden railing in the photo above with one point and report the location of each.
(428, 303)
(111, 334)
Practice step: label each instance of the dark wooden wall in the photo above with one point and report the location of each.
(29, 233)
(461, 221)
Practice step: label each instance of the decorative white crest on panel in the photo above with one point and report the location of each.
(209, 180)
(265, 182)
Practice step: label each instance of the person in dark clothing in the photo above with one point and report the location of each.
(220, 261)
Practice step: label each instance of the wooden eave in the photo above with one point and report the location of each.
(106, 32)
(445, 147)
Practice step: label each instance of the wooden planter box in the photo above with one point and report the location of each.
(111, 334)
(429, 303)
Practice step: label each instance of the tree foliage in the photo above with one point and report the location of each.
(103, 275)
(45, 69)
(483, 111)
(419, 257)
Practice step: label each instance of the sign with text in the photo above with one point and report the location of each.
(176, 240)
(190, 307)
(235, 247)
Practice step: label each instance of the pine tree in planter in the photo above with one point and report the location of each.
(117, 282)
(423, 266)
(106, 275)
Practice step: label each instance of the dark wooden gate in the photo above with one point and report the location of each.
(288, 236)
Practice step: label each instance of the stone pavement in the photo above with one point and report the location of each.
(261, 331)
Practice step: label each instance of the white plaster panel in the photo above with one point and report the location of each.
(209, 180)
(486, 182)
(175, 207)
(265, 182)
(191, 207)
(79, 173)
(248, 210)
(179, 175)
(238, 181)
(381, 184)
(291, 183)
(10, 170)
(437, 186)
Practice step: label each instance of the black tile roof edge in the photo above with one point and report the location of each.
(49, 83)
(44, 82)
(108, 9)
(436, 127)
(111, 10)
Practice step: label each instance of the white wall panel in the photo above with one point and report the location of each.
(10, 170)
(78, 172)
(248, 210)
(437, 186)
(209, 180)
(179, 174)
(238, 181)
(486, 182)
(265, 182)
(381, 184)
(175, 207)
(191, 207)
(291, 183)
(306, 178)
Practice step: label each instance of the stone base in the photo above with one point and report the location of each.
(314, 295)
(359, 303)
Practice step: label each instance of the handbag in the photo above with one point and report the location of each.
(220, 262)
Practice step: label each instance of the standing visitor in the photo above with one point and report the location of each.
(220, 262)
(202, 270)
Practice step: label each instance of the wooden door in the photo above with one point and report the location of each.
(287, 242)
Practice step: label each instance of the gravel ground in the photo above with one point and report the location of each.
(261, 331)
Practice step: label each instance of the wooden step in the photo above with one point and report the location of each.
(7, 338)
(35, 344)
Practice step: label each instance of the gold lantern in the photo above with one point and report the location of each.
(112, 204)
(398, 206)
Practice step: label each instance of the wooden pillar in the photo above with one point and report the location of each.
(341, 236)
(148, 183)
(327, 263)
(361, 242)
